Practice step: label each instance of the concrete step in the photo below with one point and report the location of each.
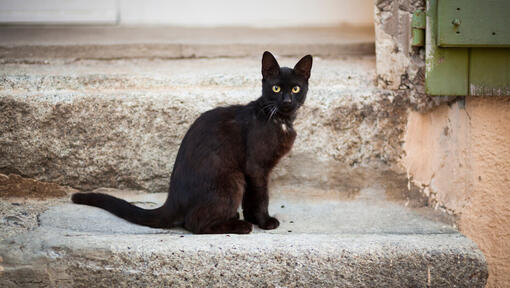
(366, 241)
(119, 123)
(40, 44)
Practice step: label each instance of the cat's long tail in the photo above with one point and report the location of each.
(147, 217)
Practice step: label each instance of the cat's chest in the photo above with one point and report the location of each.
(271, 139)
(287, 135)
(268, 143)
(283, 138)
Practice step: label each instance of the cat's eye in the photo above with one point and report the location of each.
(276, 88)
(296, 89)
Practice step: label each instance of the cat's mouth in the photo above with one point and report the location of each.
(287, 108)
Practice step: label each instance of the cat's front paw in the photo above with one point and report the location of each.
(270, 223)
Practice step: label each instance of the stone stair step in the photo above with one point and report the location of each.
(39, 44)
(344, 73)
(364, 242)
(108, 106)
(119, 123)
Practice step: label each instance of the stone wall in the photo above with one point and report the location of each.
(400, 66)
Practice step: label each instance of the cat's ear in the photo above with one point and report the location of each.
(270, 67)
(304, 66)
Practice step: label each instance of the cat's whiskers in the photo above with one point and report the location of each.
(273, 112)
(269, 105)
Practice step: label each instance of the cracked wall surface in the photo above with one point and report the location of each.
(400, 66)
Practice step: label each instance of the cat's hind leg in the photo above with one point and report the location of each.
(231, 226)
(211, 220)
(219, 214)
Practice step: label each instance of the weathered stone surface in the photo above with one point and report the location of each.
(19, 215)
(21, 44)
(364, 242)
(399, 65)
(119, 123)
(277, 260)
(13, 185)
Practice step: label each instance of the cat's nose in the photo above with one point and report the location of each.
(287, 99)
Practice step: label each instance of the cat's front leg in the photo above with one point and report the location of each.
(255, 203)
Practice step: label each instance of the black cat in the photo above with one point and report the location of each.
(225, 159)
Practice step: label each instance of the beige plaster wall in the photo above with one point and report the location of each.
(460, 156)
(259, 13)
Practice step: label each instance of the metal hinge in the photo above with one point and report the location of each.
(418, 28)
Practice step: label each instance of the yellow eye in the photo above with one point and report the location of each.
(296, 89)
(276, 88)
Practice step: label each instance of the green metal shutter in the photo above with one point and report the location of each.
(468, 47)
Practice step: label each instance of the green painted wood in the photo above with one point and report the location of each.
(447, 73)
(447, 69)
(418, 37)
(489, 72)
(419, 19)
(473, 23)
(418, 24)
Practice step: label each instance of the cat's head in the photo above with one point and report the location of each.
(284, 87)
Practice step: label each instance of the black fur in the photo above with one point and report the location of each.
(224, 161)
